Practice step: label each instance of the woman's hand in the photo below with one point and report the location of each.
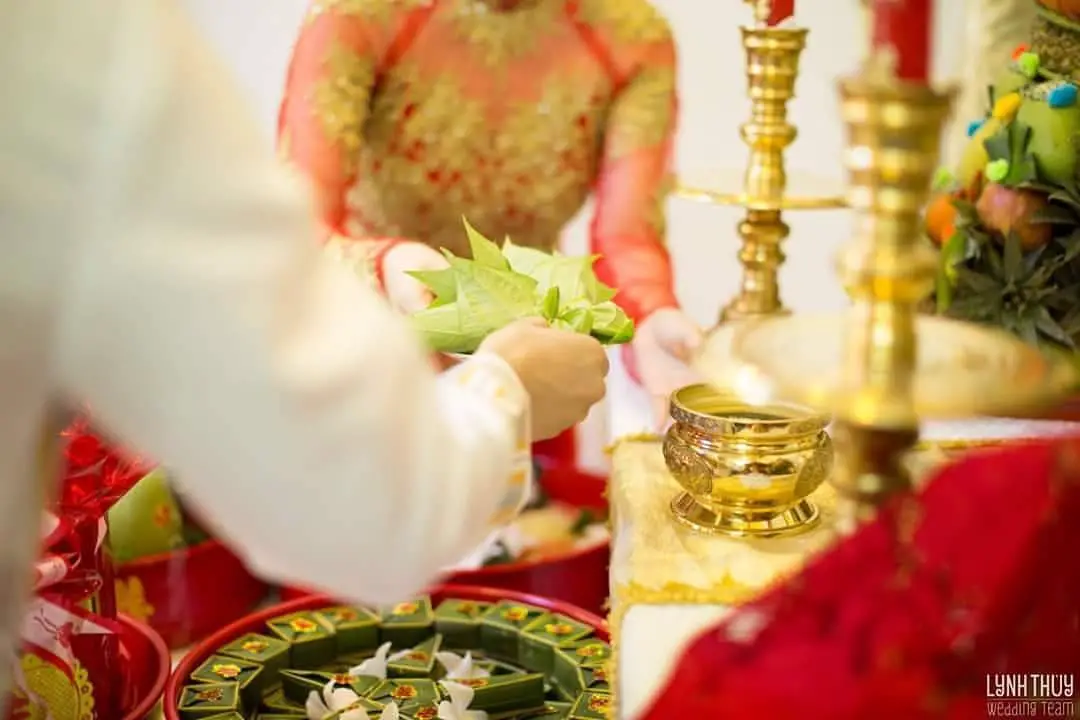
(663, 345)
(406, 293)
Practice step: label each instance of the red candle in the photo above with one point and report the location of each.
(779, 11)
(902, 28)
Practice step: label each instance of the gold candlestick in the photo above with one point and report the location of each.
(772, 65)
(893, 131)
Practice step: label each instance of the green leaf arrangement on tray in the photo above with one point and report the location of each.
(475, 297)
(1007, 221)
(408, 662)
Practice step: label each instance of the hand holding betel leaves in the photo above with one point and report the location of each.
(474, 298)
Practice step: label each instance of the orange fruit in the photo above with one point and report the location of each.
(940, 219)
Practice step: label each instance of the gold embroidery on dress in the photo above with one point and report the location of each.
(643, 114)
(656, 213)
(341, 101)
(376, 11)
(431, 153)
(629, 21)
(501, 35)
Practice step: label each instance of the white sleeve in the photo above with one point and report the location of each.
(203, 326)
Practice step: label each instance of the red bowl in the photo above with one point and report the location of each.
(187, 594)
(579, 577)
(256, 621)
(149, 663)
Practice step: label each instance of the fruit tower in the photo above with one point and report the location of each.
(1007, 218)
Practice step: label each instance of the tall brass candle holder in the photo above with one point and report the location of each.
(893, 132)
(772, 67)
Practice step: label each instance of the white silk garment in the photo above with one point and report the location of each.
(158, 264)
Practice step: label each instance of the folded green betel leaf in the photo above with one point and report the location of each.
(475, 297)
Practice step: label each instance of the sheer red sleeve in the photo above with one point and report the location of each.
(628, 226)
(327, 93)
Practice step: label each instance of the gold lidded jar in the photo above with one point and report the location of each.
(747, 470)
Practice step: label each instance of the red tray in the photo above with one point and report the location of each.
(579, 577)
(256, 621)
(149, 661)
(186, 594)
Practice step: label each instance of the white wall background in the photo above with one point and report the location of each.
(256, 39)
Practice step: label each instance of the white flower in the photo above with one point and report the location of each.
(390, 712)
(457, 707)
(376, 666)
(460, 668)
(331, 700)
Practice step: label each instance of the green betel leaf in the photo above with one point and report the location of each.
(578, 319)
(441, 283)
(499, 293)
(484, 252)
(444, 329)
(611, 325)
(522, 259)
(570, 275)
(549, 306)
(475, 297)
(486, 299)
(598, 292)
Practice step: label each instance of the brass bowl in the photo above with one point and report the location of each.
(747, 470)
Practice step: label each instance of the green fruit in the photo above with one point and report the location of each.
(975, 158)
(146, 521)
(1053, 138)
(1011, 81)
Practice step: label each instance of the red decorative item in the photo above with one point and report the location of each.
(904, 27)
(147, 663)
(186, 594)
(579, 577)
(256, 621)
(913, 615)
(559, 451)
(71, 658)
(779, 11)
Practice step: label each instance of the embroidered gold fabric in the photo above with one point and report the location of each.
(341, 98)
(644, 113)
(499, 37)
(628, 21)
(377, 11)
